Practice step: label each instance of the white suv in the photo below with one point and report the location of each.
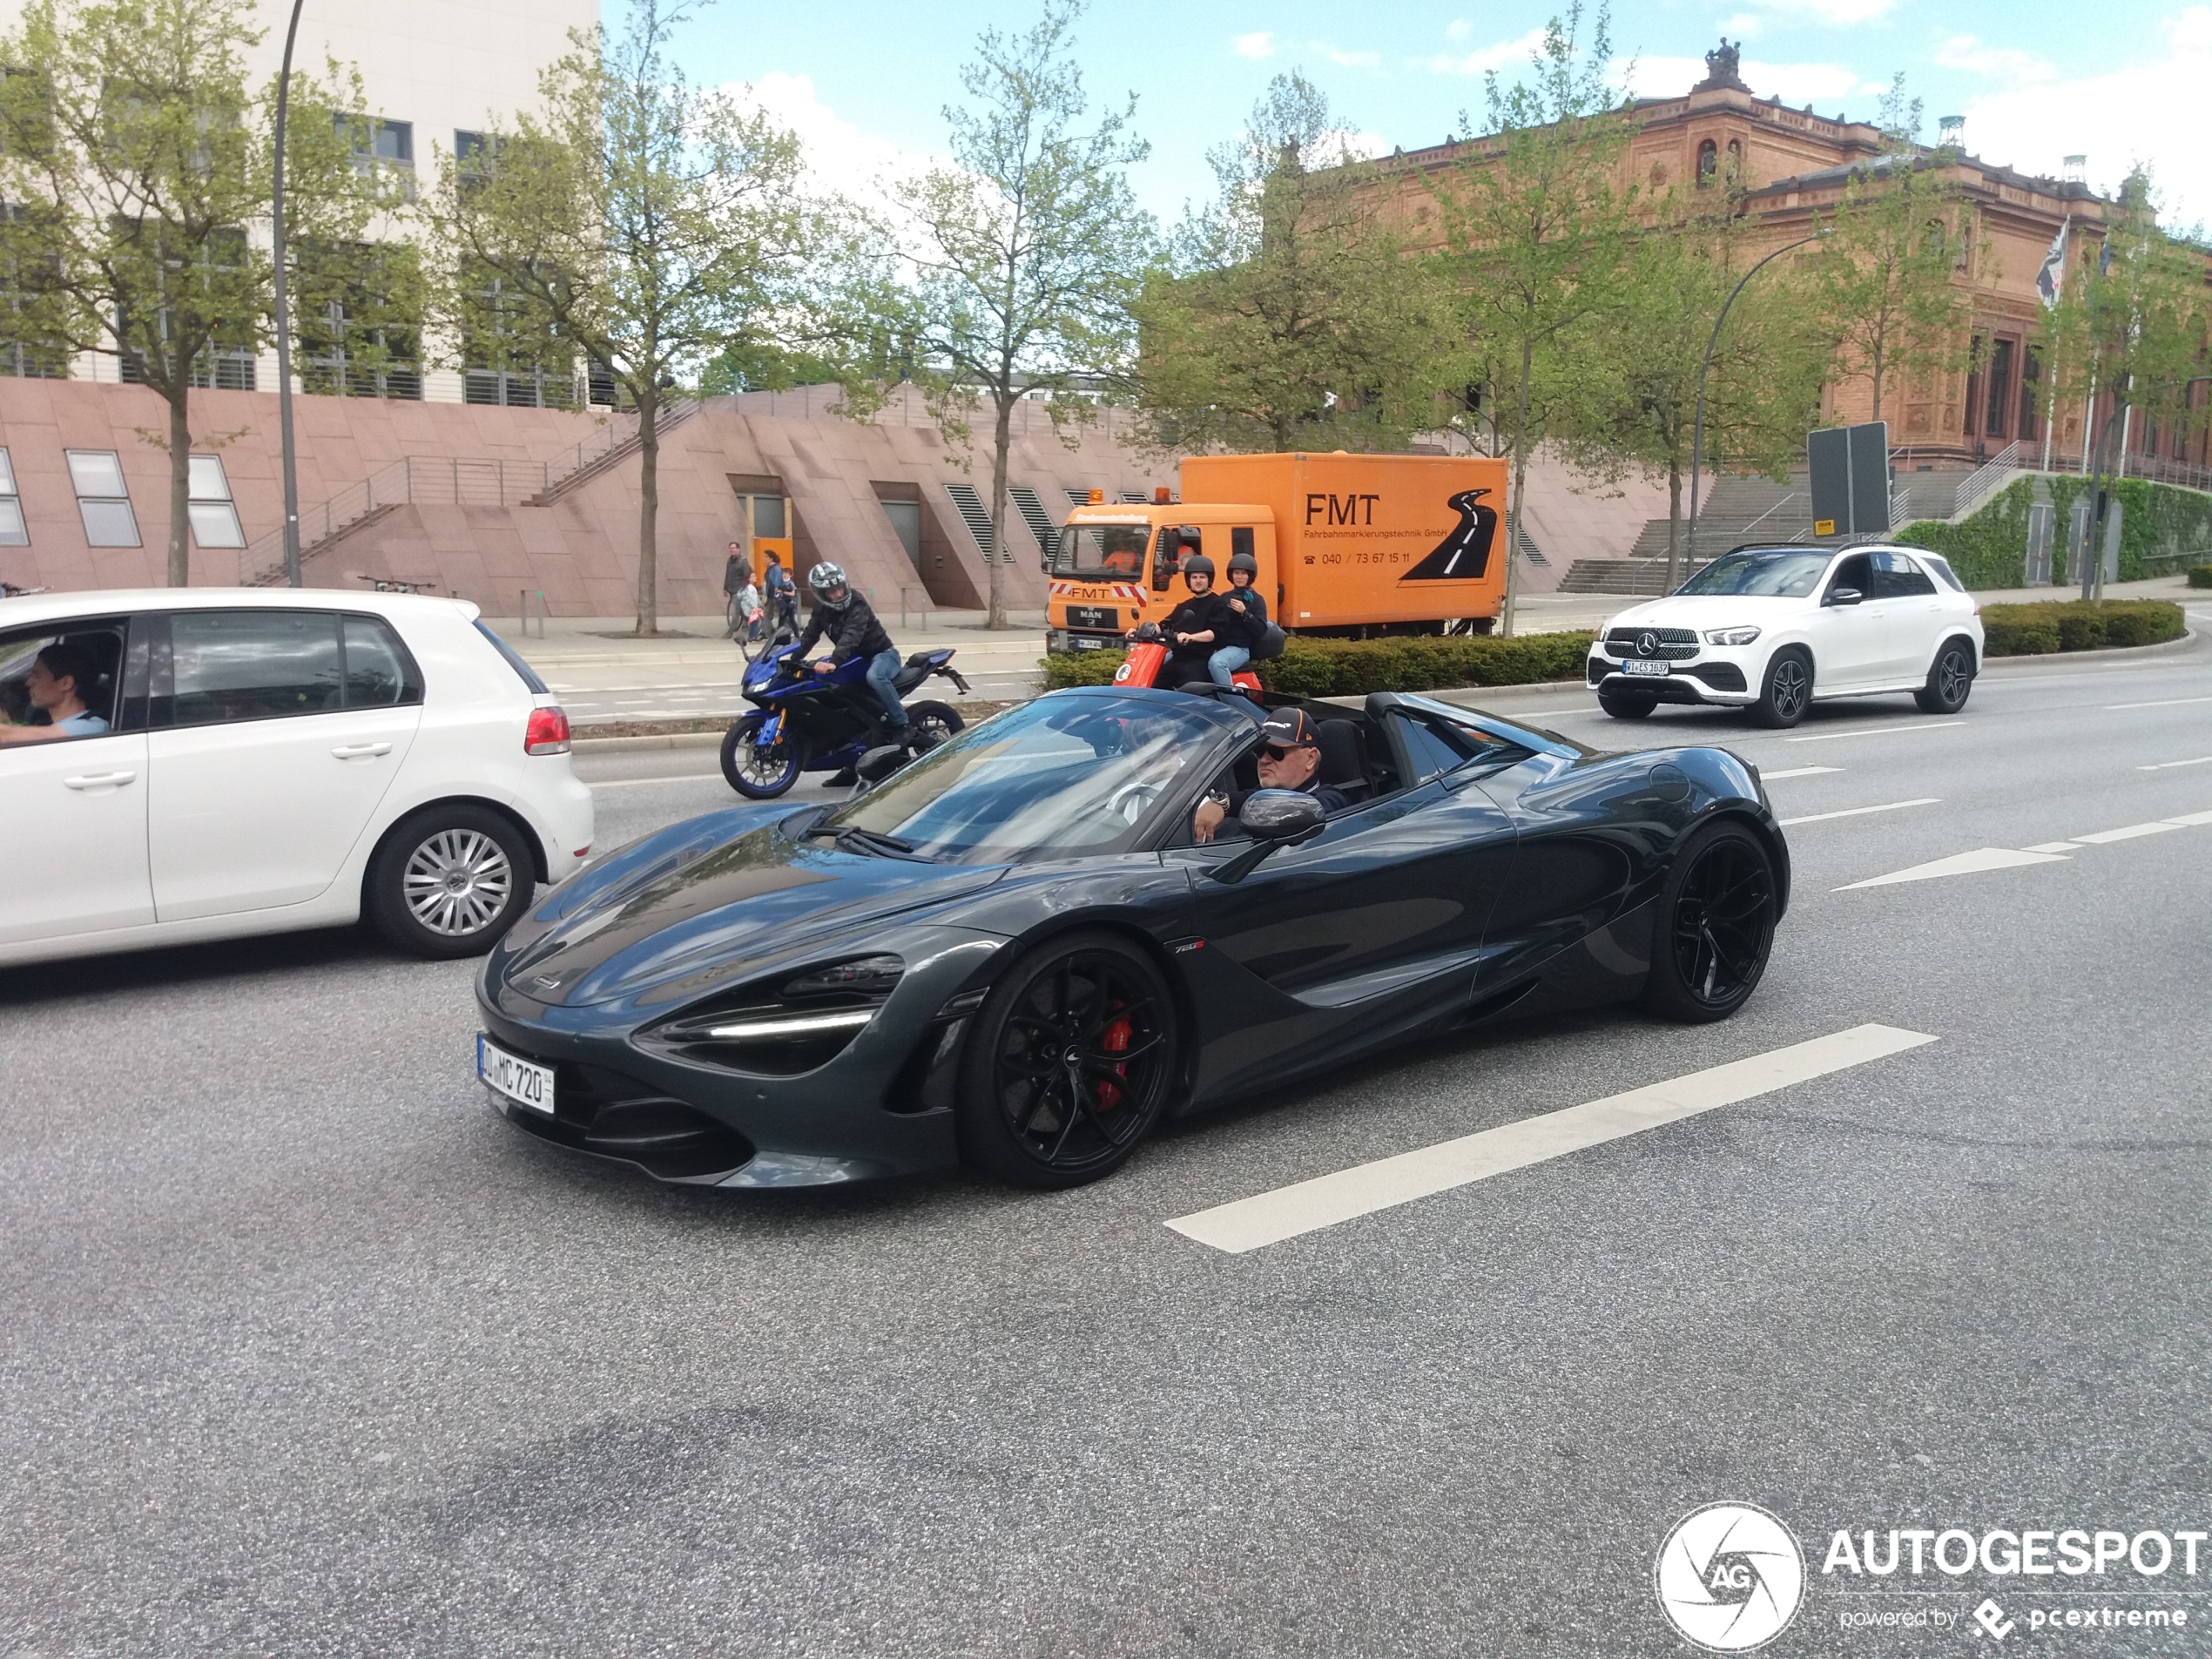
(1770, 628)
(201, 763)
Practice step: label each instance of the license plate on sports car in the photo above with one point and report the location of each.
(1635, 666)
(523, 1082)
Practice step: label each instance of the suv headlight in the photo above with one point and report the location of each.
(1731, 636)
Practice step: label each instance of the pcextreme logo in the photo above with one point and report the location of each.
(1730, 1577)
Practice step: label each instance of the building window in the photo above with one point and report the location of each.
(508, 356)
(1709, 161)
(12, 532)
(2001, 388)
(224, 364)
(2031, 422)
(1974, 384)
(214, 520)
(359, 322)
(20, 356)
(473, 154)
(378, 140)
(102, 500)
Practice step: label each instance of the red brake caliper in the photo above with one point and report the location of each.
(1114, 1040)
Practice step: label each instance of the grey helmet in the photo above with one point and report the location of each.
(1198, 564)
(1245, 563)
(823, 577)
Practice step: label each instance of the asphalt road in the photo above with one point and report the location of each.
(305, 1352)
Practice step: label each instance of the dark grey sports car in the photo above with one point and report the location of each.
(1016, 954)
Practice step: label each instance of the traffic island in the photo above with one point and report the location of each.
(2049, 626)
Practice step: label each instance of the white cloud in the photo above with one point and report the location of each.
(840, 157)
(1794, 84)
(2151, 111)
(1344, 59)
(1839, 13)
(1457, 29)
(1999, 63)
(1255, 45)
(1484, 59)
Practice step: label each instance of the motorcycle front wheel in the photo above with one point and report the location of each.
(755, 770)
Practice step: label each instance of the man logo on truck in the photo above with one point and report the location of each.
(1464, 555)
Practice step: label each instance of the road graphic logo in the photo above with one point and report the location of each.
(1463, 556)
(1730, 1577)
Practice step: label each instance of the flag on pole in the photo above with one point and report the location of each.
(2053, 275)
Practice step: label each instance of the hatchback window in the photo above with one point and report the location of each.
(253, 665)
(378, 671)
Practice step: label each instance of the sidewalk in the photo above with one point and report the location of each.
(607, 642)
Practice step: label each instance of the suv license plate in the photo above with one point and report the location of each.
(521, 1081)
(1636, 666)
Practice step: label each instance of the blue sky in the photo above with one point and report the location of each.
(864, 80)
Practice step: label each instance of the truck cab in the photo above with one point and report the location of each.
(1117, 565)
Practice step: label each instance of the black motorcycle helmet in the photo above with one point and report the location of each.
(1198, 564)
(825, 577)
(1245, 563)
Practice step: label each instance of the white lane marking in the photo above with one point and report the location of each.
(2051, 846)
(2192, 820)
(1987, 857)
(2166, 703)
(1860, 812)
(1798, 771)
(2168, 765)
(2127, 832)
(1307, 1206)
(638, 783)
(1880, 731)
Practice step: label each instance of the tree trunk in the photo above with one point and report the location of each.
(1877, 383)
(1674, 520)
(648, 511)
(1002, 440)
(1520, 487)
(179, 485)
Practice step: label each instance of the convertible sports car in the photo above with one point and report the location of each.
(1014, 953)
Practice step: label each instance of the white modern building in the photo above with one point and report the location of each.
(435, 75)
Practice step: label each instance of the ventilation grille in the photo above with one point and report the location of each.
(1530, 551)
(1032, 510)
(969, 506)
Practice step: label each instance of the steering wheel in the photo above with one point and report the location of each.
(1131, 801)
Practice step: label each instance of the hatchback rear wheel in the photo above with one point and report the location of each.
(449, 881)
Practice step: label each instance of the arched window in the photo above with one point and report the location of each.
(1709, 161)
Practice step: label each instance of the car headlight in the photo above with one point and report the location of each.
(1731, 636)
(804, 1022)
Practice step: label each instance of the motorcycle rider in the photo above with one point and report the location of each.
(850, 622)
(1242, 632)
(1193, 628)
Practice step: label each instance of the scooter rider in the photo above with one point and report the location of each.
(1242, 632)
(850, 622)
(1194, 628)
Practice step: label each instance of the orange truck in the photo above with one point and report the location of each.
(1347, 544)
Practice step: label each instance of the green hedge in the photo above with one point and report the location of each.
(2201, 576)
(2077, 624)
(2162, 523)
(1353, 667)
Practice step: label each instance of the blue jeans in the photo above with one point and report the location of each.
(1225, 662)
(883, 671)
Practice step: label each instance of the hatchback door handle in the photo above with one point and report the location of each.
(100, 780)
(360, 751)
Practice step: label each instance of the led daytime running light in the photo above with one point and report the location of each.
(801, 1025)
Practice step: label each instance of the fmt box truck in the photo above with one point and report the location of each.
(1347, 544)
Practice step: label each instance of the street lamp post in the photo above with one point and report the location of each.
(1697, 440)
(284, 316)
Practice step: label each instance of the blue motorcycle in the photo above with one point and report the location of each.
(803, 721)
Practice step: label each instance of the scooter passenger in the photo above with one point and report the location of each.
(1242, 630)
(1193, 628)
(1290, 757)
(850, 622)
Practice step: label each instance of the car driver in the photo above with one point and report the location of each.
(51, 685)
(1290, 759)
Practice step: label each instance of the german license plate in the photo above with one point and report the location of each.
(1080, 644)
(1093, 616)
(521, 1081)
(1637, 665)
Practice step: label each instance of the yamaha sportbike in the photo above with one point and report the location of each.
(803, 721)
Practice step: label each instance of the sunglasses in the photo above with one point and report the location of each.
(1279, 752)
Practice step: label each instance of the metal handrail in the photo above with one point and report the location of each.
(1985, 481)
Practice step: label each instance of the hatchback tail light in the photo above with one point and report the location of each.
(547, 733)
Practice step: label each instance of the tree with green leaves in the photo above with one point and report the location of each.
(1640, 399)
(1896, 246)
(135, 160)
(1025, 256)
(644, 223)
(1289, 314)
(1538, 242)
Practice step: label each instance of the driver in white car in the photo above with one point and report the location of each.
(52, 686)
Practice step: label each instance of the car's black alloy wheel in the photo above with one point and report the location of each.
(1787, 691)
(1950, 679)
(449, 881)
(1628, 705)
(1068, 1064)
(1715, 925)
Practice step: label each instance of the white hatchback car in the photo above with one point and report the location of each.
(1772, 628)
(202, 763)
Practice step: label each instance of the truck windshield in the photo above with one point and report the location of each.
(1101, 551)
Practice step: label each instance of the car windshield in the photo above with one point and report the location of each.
(1770, 575)
(1102, 552)
(1064, 774)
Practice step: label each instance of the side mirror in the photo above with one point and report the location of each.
(1844, 596)
(1272, 817)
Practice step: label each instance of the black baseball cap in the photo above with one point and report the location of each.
(1288, 729)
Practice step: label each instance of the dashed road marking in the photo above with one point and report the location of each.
(2128, 833)
(1798, 771)
(1307, 1206)
(2168, 765)
(1861, 812)
(1880, 731)
(2052, 846)
(638, 783)
(2164, 703)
